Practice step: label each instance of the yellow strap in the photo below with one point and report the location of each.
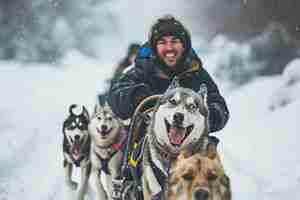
(132, 162)
(195, 65)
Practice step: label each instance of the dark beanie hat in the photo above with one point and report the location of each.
(166, 26)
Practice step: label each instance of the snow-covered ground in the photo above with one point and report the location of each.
(259, 147)
(34, 103)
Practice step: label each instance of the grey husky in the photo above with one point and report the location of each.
(108, 139)
(178, 123)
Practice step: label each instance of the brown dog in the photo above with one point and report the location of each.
(197, 177)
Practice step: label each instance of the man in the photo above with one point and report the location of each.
(132, 52)
(168, 53)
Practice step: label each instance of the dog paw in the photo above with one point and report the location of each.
(118, 186)
(73, 185)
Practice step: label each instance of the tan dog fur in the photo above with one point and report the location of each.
(190, 174)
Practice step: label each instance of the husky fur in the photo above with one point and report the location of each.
(108, 137)
(179, 122)
(76, 147)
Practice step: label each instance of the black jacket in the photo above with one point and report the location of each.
(147, 77)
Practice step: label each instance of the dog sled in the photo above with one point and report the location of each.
(134, 150)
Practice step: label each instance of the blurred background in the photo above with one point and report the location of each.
(44, 31)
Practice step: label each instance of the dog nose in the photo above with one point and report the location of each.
(178, 117)
(201, 194)
(104, 127)
(77, 137)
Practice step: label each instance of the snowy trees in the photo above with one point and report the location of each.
(288, 90)
(266, 54)
(42, 31)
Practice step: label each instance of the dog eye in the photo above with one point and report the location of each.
(173, 102)
(109, 118)
(82, 127)
(191, 107)
(99, 118)
(72, 126)
(188, 176)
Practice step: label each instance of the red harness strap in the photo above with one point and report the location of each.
(121, 142)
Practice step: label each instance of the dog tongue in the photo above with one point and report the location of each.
(176, 135)
(76, 151)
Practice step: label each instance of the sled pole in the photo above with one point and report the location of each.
(128, 147)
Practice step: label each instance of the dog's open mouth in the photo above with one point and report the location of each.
(76, 151)
(103, 132)
(176, 133)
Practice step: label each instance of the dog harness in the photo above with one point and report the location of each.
(111, 150)
(142, 152)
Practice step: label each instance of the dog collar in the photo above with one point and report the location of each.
(112, 150)
(119, 143)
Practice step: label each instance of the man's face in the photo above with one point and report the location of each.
(169, 49)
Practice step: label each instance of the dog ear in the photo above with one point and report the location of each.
(184, 154)
(107, 107)
(209, 167)
(174, 84)
(85, 113)
(98, 108)
(211, 175)
(183, 165)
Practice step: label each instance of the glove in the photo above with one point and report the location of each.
(140, 93)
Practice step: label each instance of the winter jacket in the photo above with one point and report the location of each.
(147, 78)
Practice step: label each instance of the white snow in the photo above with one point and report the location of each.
(259, 147)
(34, 103)
(288, 89)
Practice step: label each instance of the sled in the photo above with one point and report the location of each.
(134, 147)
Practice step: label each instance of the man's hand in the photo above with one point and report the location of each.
(140, 93)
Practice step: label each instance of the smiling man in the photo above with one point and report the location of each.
(168, 53)
(169, 49)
